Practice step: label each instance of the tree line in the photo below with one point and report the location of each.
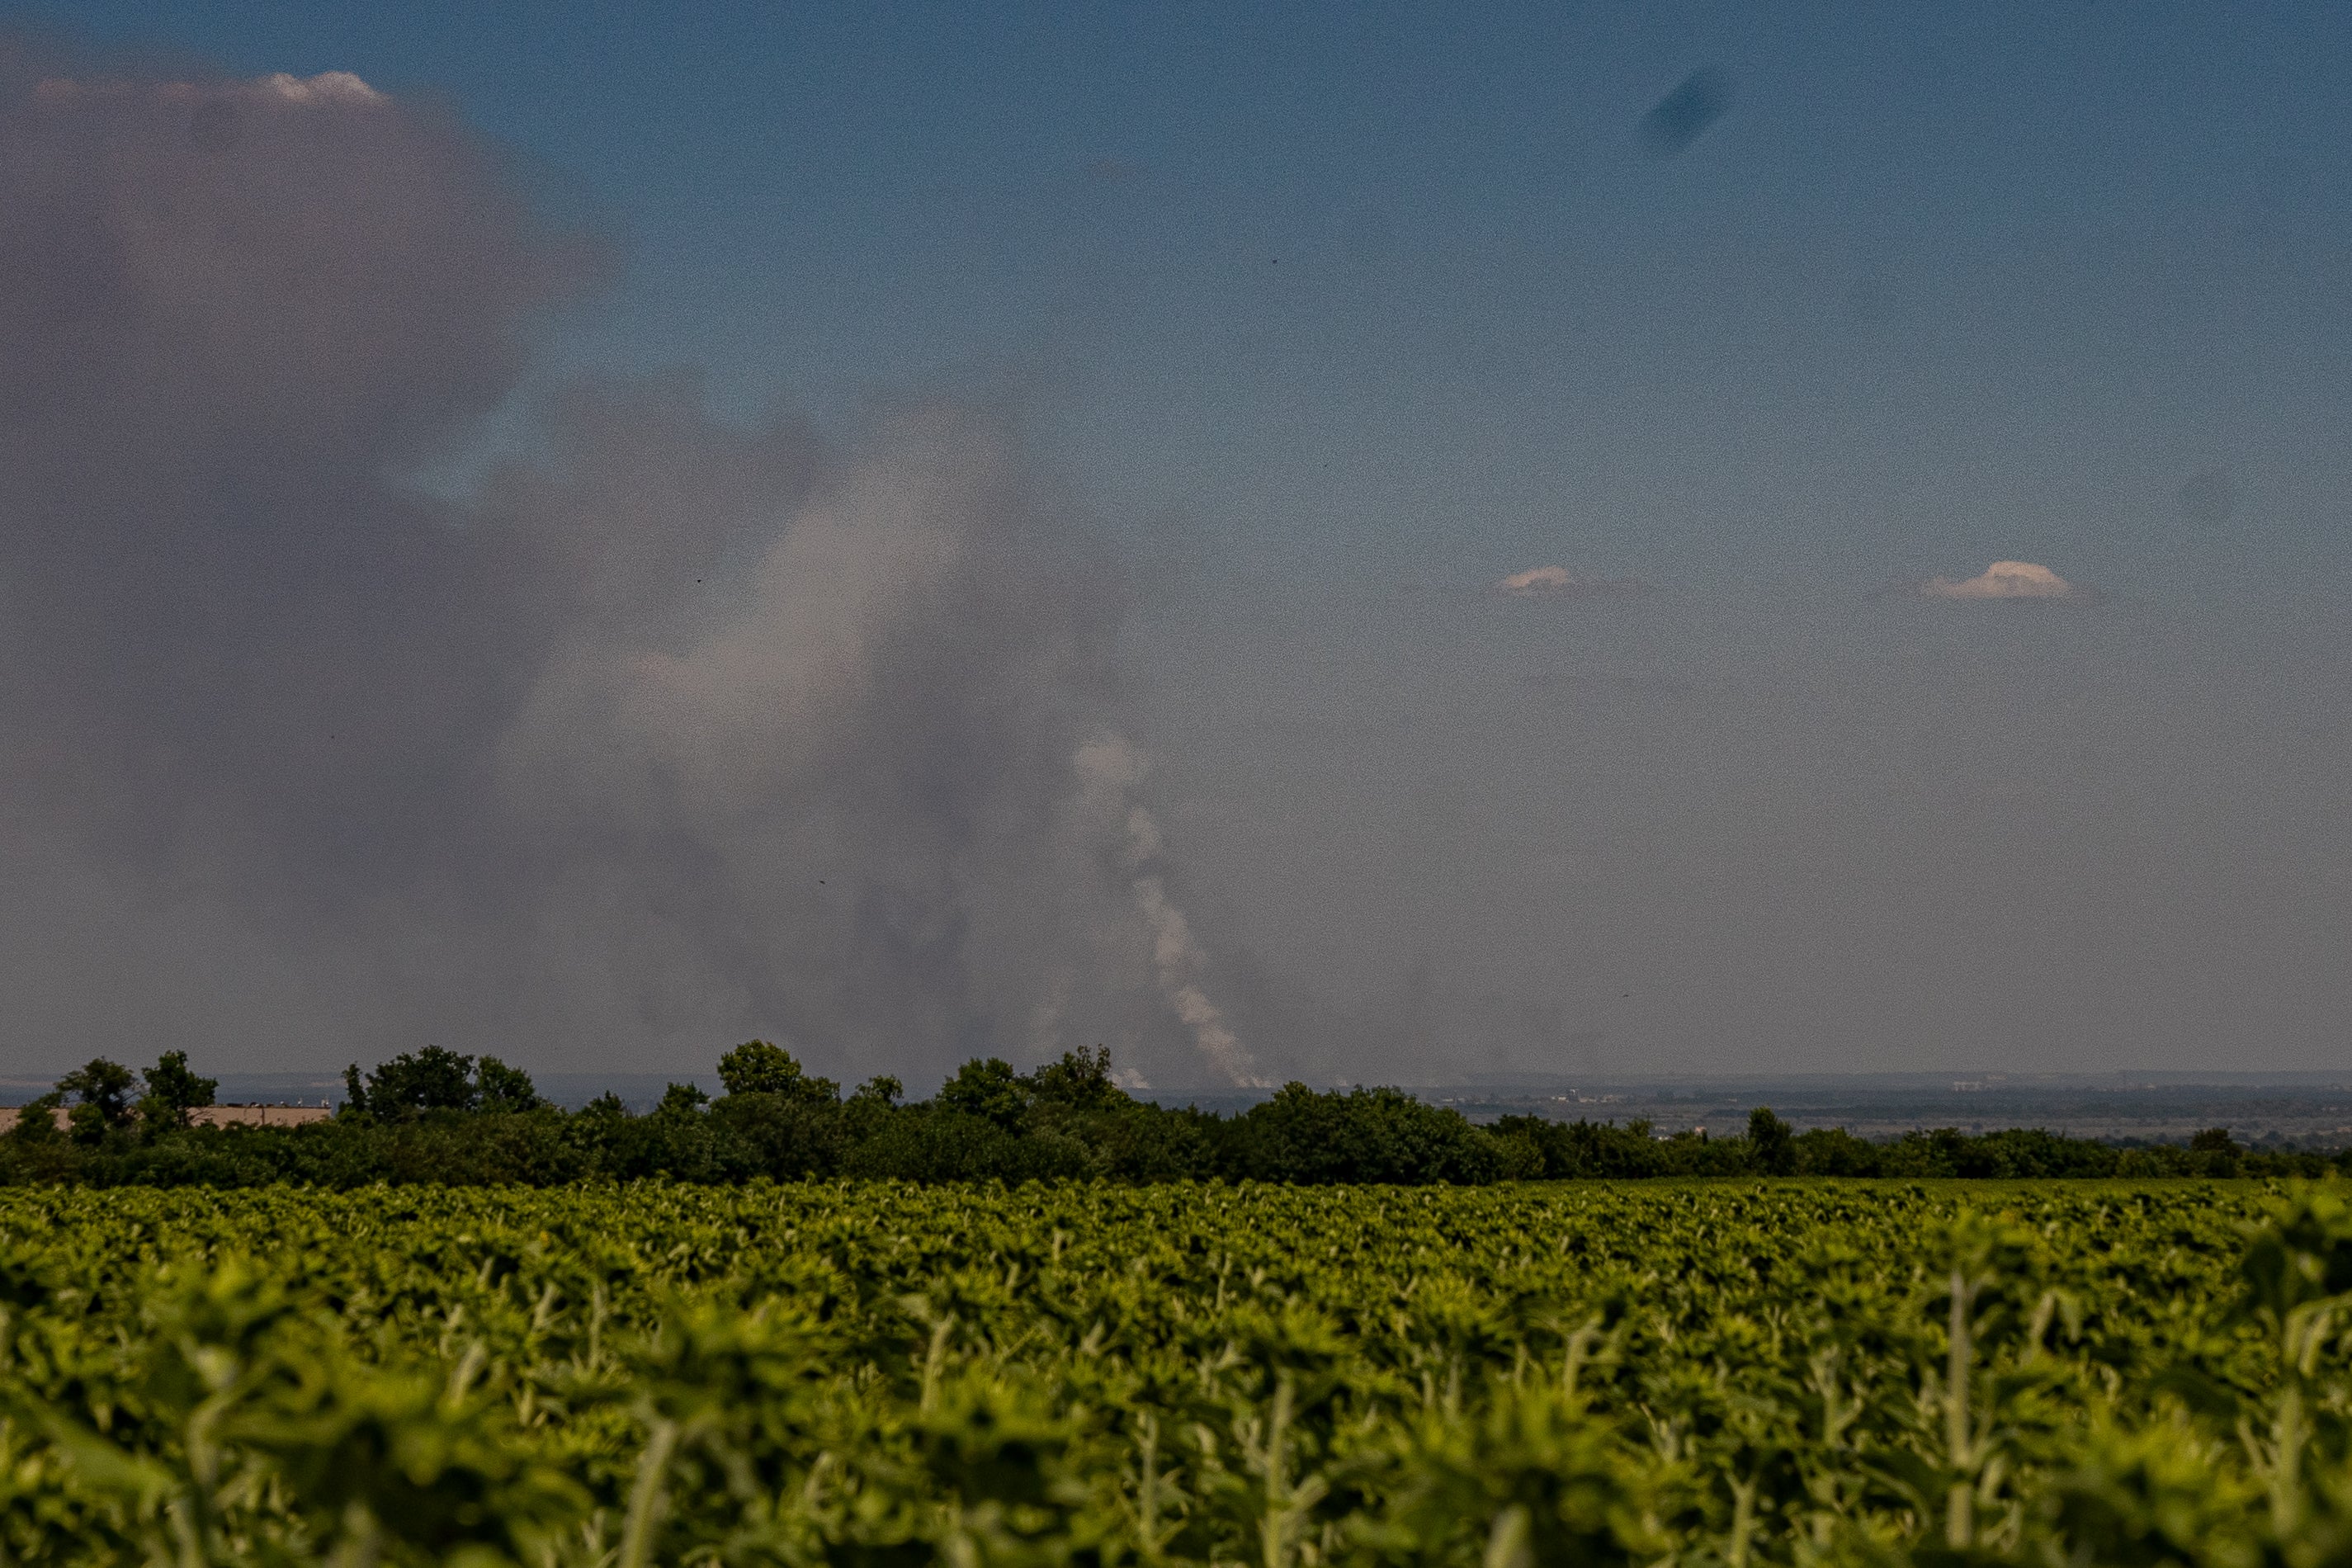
(433, 1115)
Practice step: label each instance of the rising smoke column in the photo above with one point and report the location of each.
(676, 731)
(1112, 771)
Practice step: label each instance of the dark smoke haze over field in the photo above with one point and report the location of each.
(678, 732)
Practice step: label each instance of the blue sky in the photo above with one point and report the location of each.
(1376, 284)
(1334, 315)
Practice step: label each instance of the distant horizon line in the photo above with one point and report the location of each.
(1948, 1080)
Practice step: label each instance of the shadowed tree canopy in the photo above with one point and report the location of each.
(756, 1066)
(1080, 1080)
(435, 1079)
(501, 1088)
(173, 1090)
(988, 1088)
(1771, 1142)
(103, 1087)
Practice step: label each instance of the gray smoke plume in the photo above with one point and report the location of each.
(672, 733)
(1111, 772)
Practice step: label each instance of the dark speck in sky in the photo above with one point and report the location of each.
(1683, 116)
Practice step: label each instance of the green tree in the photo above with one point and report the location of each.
(1360, 1135)
(36, 1120)
(2213, 1152)
(173, 1091)
(870, 1108)
(881, 1090)
(989, 1088)
(1771, 1142)
(755, 1067)
(497, 1087)
(1834, 1151)
(413, 1083)
(101, 1089)
(681, 1099)
(1080, 1080)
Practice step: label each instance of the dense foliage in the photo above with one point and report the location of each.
(1726, 1373)
(437, 1116)
(1772, 1148)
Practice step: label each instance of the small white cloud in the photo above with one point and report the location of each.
(2004, 580)
(1559, 583)
(327, 87)
(1540, 580)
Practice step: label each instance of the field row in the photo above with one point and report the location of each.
(1098, 1372)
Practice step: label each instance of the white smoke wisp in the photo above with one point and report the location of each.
(1110, 769)
(1179, 961)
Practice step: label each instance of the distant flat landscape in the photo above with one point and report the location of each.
(2301, 1110)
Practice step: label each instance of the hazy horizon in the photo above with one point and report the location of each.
(1357, 545)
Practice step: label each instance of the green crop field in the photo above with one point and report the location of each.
(877, 1374)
